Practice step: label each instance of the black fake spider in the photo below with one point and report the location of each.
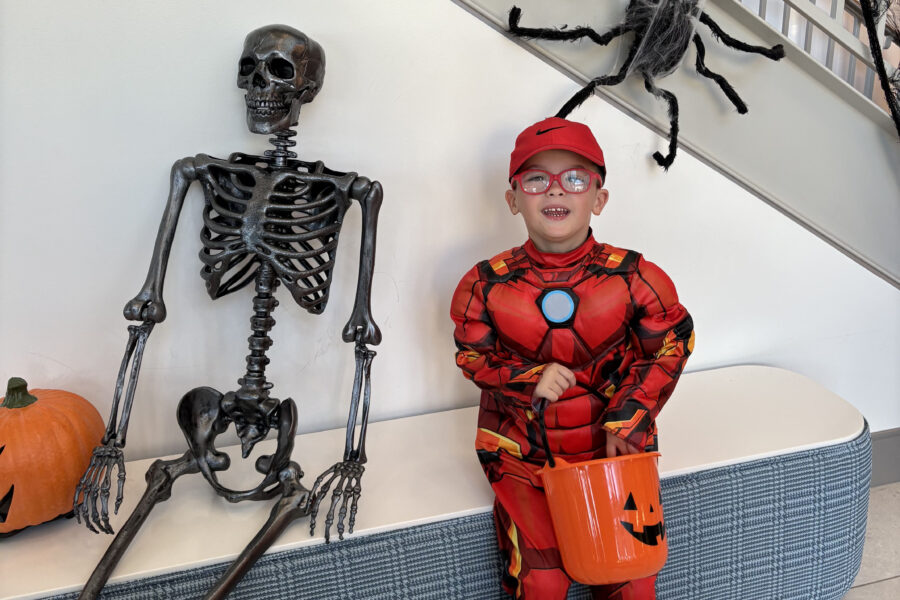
(663, 30)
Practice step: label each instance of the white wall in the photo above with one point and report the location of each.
(98, 98)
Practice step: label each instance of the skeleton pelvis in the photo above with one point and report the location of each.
(202, 417)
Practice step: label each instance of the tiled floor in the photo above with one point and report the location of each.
(879, 576)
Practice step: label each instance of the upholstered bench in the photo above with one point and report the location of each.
(765, 490)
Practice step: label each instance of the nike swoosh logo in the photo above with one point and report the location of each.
(543, 131)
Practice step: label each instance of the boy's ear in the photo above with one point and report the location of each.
(600, 201)
(511, 201)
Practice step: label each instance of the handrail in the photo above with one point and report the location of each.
(832, 28)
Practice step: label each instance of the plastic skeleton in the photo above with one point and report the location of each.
(663, 30)
(269, 220)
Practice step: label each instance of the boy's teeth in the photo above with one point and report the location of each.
(556, 212)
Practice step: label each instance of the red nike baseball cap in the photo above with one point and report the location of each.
(555, 134)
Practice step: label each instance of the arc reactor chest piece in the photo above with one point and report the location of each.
(558, 306)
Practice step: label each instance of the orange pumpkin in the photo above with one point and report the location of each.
(46, 440)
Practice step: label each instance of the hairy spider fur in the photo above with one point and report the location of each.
(662, 30)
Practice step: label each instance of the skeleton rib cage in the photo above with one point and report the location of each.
(288, 218)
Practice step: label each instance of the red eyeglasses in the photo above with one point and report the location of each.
(574, 181)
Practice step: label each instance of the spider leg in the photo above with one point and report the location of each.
(723, 83)
(666, 161)
(559, 34)
(773, 53)
(585, 92)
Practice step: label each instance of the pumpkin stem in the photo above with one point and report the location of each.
(17, 395)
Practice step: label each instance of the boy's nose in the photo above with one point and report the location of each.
(555, 189)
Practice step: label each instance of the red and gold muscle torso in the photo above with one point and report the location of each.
(587, 310)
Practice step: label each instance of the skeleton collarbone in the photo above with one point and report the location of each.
(289, 217)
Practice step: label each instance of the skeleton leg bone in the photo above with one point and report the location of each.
(294, 504)
(723, 83)
(160, 477)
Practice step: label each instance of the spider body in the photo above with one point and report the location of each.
(665, 32)
(662, 31)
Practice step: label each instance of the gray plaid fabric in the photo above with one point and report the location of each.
(789, 527)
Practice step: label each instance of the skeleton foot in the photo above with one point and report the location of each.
(95, 484)
(348, 475)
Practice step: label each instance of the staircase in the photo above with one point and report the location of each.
(812, 145)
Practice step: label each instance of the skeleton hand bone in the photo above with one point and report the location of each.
(95, 484)
(146, 306)
(348, 474)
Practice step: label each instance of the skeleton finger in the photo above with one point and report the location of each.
(317, 499)
(120, 492)
(319, 479)
(357, 490)
(342, 515)
(335, 498)
(78, 501)
(84, 506)
(94, 491)
(104, 501)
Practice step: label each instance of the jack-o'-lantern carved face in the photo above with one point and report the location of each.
(644, 523)
(6, 499)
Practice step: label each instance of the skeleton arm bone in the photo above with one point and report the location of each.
(148, 305)
(363, 328)
(369, 195)
(346, 475)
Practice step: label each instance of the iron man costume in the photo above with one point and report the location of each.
(607, 314)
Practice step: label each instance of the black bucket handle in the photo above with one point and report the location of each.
(542, 405)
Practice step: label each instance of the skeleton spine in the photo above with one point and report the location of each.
(261, 323)
(282, 142)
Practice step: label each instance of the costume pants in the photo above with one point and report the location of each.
(533, 569)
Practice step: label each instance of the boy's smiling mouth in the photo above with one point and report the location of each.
(555, 213)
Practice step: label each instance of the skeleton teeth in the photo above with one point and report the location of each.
(262, 103)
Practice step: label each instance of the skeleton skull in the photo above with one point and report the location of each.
(281, 69)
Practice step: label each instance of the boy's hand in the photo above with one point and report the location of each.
(616, 446)
(555, 379)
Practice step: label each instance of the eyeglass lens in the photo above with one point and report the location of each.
(574, 181)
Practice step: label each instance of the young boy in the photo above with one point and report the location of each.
(595, 330)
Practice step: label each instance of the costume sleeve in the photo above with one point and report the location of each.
(478, 353)
(663, 333)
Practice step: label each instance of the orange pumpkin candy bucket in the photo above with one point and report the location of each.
(607, 515)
